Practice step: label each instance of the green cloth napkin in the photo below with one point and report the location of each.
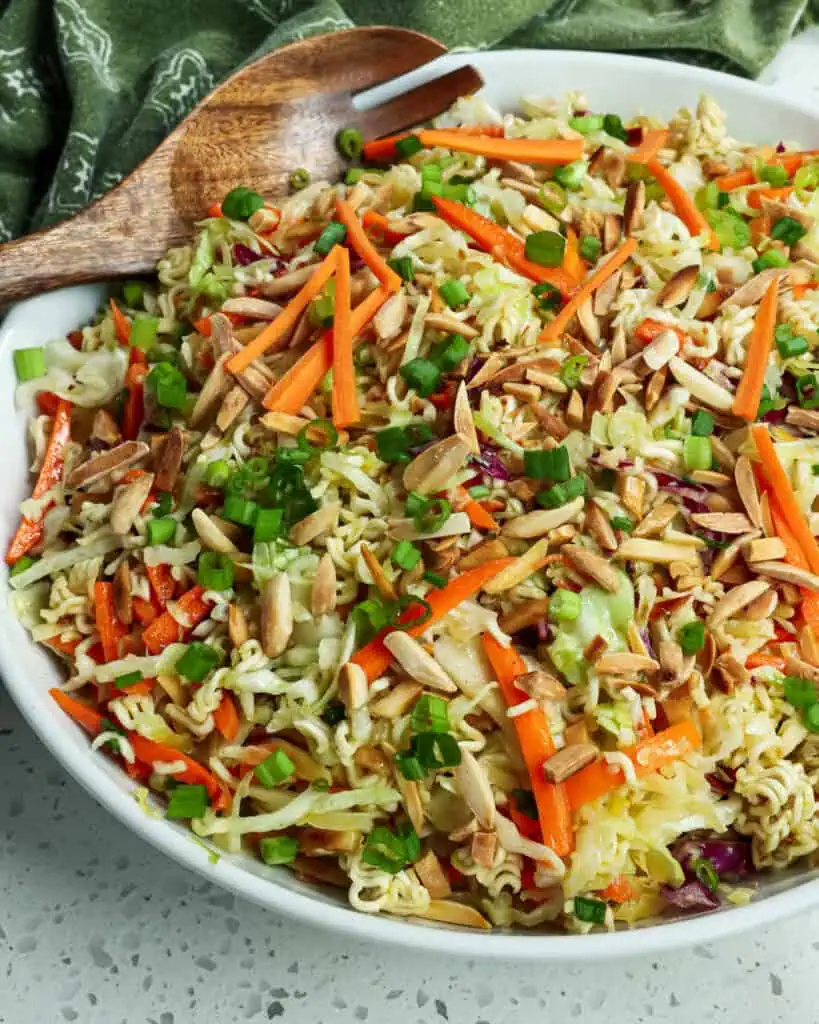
(89, 87)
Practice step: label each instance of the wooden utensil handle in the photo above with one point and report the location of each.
(114, 237)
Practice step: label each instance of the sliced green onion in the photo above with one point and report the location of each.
(406, 555)
(789, 344)
(613, 126)
(564, 605)
(454, 292)
(731, 230)
(370, 616)
(409, 603)
(575, 487)
(129, 679)
(430, 714)
(333, 234)
(525, 802)
(143, 332)
(589, 910)
(21, 565)
(133, 292)
(214, 571)
(807, 391)
(275, 769)
(334, 713)
(547, 464)
(267, 525)
(436, 750)
(408, 146)
(587, 124)
(161, 530)
(811, 718)
(801, 693)
(416, 503)
(431, 172)
(410, 767)
(770, 258)
(328, 436)
(433, 516)
(572, 370)
(240, 510)
(391, 445)
(300, 179)
(436, 579)
(590, 248)
(608, 478)
(479, 491)
(788, 230)
(807, 176)
(197, 661)
(163, 503)
(702, 423)
(29, 363)
(168, 385)
(450, 353)
(691, 637)
(422, 203)
(706, 873)
(546, 248)
(548, 297)
(622, 523)
(241, 203)
(571, 176)
(404, 267)
(697, 452)
(774, 174)
(422, 376)
(278, 849)
(554, 497)
(350, 143)
(391, 851)
(257, 469)
(553, 198)
(187, 801)
(707, 197)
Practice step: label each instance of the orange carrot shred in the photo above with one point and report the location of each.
(226, 718)
(536, 744)
(756, 195)
(277, 328)
(122, 327)
(106, 619)
(572, 263)
(166, 630)
(749, 392)
(553, 330)
(529, 151)
(345, 398)
(378, 224)
(653, 141)
(684, 205)
(383, 150)
(619, 891)
(363, 247)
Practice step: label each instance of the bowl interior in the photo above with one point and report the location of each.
(611, 83)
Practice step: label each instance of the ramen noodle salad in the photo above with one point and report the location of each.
(447, 534)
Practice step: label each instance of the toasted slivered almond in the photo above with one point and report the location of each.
(523, 615)
(417, 662)
(553, 425)
(450, 912)
(735, 600)
(433, 877)
(659, 551)
(396, 701)
(168, 462)
(575, 410)
(701, 387)
(372, 759)
(276, 615)
(750, 293)
(612, 229)
(104, 428)
(723, 522)
(541, 685)
(595, 649)
(449, 323)
(525, 393)
(209, 533)
(655, 387)
(462, 420)
(122, 593)
(577, 732)
(320, 870)
(353, 686)
(322, 521)
(284, 423)
(483, 848)
(678, 287)
(671, 658)
(788, 574)
(407, 529)
(389, 320)
(724, 457)
(747, 489)
(474, 787)
(711, 478)
(599, 526)
(632, 492)
(593, 566)
(127, 502)
(383, 584)
(656, 521)
(213, 389)
(728, 673)
(436, 465)
(287, 283)
(806, 418)
(570, 759)
(238, 631)
(797, 667)
(492, 365)
(487, 551)
(98, 466)
(519, 570)
(728, 556)
(232, 405)
(588, 321)
(624, 662)
(256, 309)
(661, 350)
(762, 607)
(536, 524)
(605, 296)
(766, 549)
(323, 591)
(634, 207)
(809, 645)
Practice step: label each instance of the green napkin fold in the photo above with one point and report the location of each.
(89, 87)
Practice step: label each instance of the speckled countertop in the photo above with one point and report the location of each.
(96, 927)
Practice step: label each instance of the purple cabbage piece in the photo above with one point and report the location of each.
(691, 896)
(243, 255)
(490, 462)
(780, 147)
(474, 366)
(542, 630)
(731, 857)
(693, 495)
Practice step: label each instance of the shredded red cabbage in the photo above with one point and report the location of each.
(691, 896)
(731, 857)
(243, 255)
(491, 463)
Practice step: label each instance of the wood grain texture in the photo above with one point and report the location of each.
(277, 114)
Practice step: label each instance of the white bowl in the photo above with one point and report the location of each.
(614, 83)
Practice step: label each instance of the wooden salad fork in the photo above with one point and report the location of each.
(278, 114)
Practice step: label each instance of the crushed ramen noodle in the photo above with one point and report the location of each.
(447, 534)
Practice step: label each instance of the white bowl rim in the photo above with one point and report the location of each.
(546, 947)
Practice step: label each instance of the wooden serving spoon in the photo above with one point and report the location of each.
(278, 114)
